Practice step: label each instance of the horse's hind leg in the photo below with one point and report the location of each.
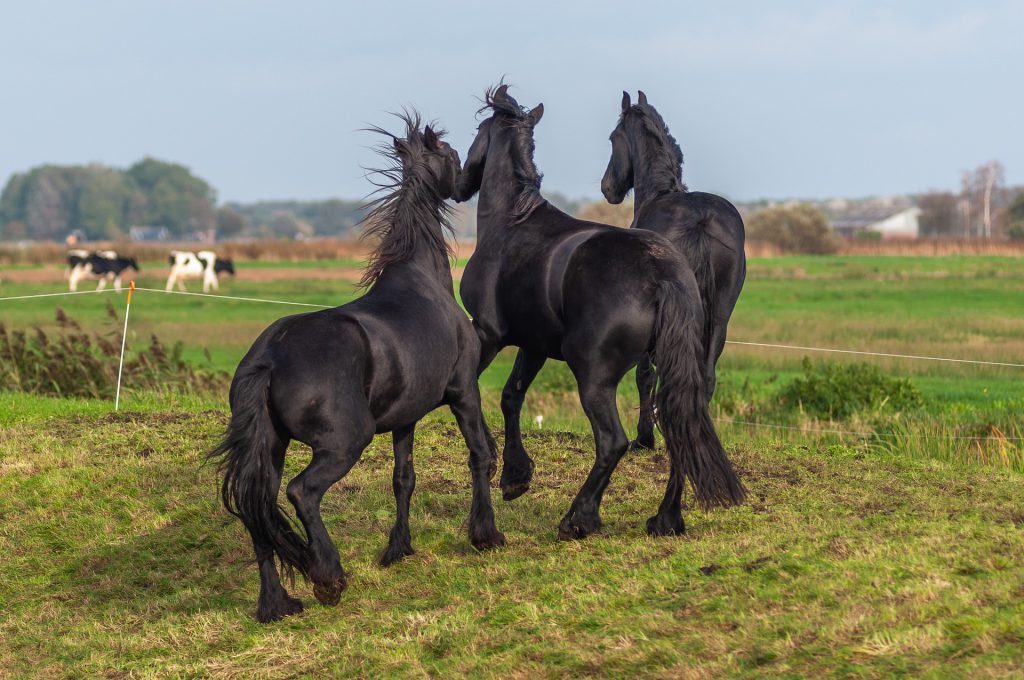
(517, 467)
(465, 405)
(403, 481)
(274, 602)
(645, 380)
(597, 395)
(335, 450)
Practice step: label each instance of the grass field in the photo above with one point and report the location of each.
(896, 553)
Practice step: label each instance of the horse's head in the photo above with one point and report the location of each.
(426, 156)
(505, 137)
(133, 263)
(618, 178)
(637, 124)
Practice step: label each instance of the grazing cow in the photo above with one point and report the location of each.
(105, 265)
(75, 258)
(203, 265)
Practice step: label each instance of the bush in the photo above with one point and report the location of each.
(837, 391)
(620, 215)
(796, 229)
(73, 363)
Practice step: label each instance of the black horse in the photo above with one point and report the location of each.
(596, 297)
(707, 230)
(332, 379)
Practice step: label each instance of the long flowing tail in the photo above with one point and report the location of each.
(683, 413)
(251, 481)
(696, 246)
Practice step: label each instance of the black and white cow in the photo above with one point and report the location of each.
(105, 265)
(203, 265)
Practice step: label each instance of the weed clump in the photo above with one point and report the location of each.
(838, 391)
(72, 362)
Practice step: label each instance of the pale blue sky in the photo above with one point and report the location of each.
(265, 99)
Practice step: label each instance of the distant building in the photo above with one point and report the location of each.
(891, 221)
(148, 233)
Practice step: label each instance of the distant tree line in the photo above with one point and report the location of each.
(291, 219)
(51, 201)
(984, 208)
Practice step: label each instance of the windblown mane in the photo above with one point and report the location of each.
(666, 166)
(528, 178)
(411, 212)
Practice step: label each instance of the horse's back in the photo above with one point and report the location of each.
(390, 351)
(675, 215)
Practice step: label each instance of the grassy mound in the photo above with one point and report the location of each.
(117, 560)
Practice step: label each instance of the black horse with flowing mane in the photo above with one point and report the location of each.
(332, 379)
(707, 230)
(596, 297)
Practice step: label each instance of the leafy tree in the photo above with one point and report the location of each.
(49, 201)
(940, 214)
(229, 223)
(1016, 218)
(176, 199)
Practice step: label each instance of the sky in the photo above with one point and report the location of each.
(266, 100)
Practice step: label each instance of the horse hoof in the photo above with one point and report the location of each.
(395, 553)
(637, 445)
(287, 606)
(514, 491)
(330, 593)
(659, 525)
(573, 531)
(515, 480)
(488, 541)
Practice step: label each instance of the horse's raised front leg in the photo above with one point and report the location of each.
(335, 451)
(274, 601)
(465, 406)
(645, 381)
(597, 395)
(517, 467)
(403, 482)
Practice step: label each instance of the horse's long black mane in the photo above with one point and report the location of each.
(411, 211)
(666, 163)
(528, 178)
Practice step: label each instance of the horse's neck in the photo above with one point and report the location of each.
(653, 172)
(432, 261)
(496, 201)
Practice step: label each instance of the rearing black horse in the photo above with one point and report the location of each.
(597, 297)
(332, 379)
(707, 230)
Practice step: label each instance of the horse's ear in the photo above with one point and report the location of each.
(501, 92)
(401, 146)
(641, 97)
(626, 103)
(536, 114)
(430, 138)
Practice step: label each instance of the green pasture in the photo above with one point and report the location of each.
(891, 552)
(957, 307)
(119, 562)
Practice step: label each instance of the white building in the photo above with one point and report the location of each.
(889, 221)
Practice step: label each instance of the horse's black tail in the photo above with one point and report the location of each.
(683, 413)
(251, 481)
(697, 248)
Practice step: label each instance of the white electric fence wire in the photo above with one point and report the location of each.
(67, 292)
(875, 354)
(233, 297)
(918, 435)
